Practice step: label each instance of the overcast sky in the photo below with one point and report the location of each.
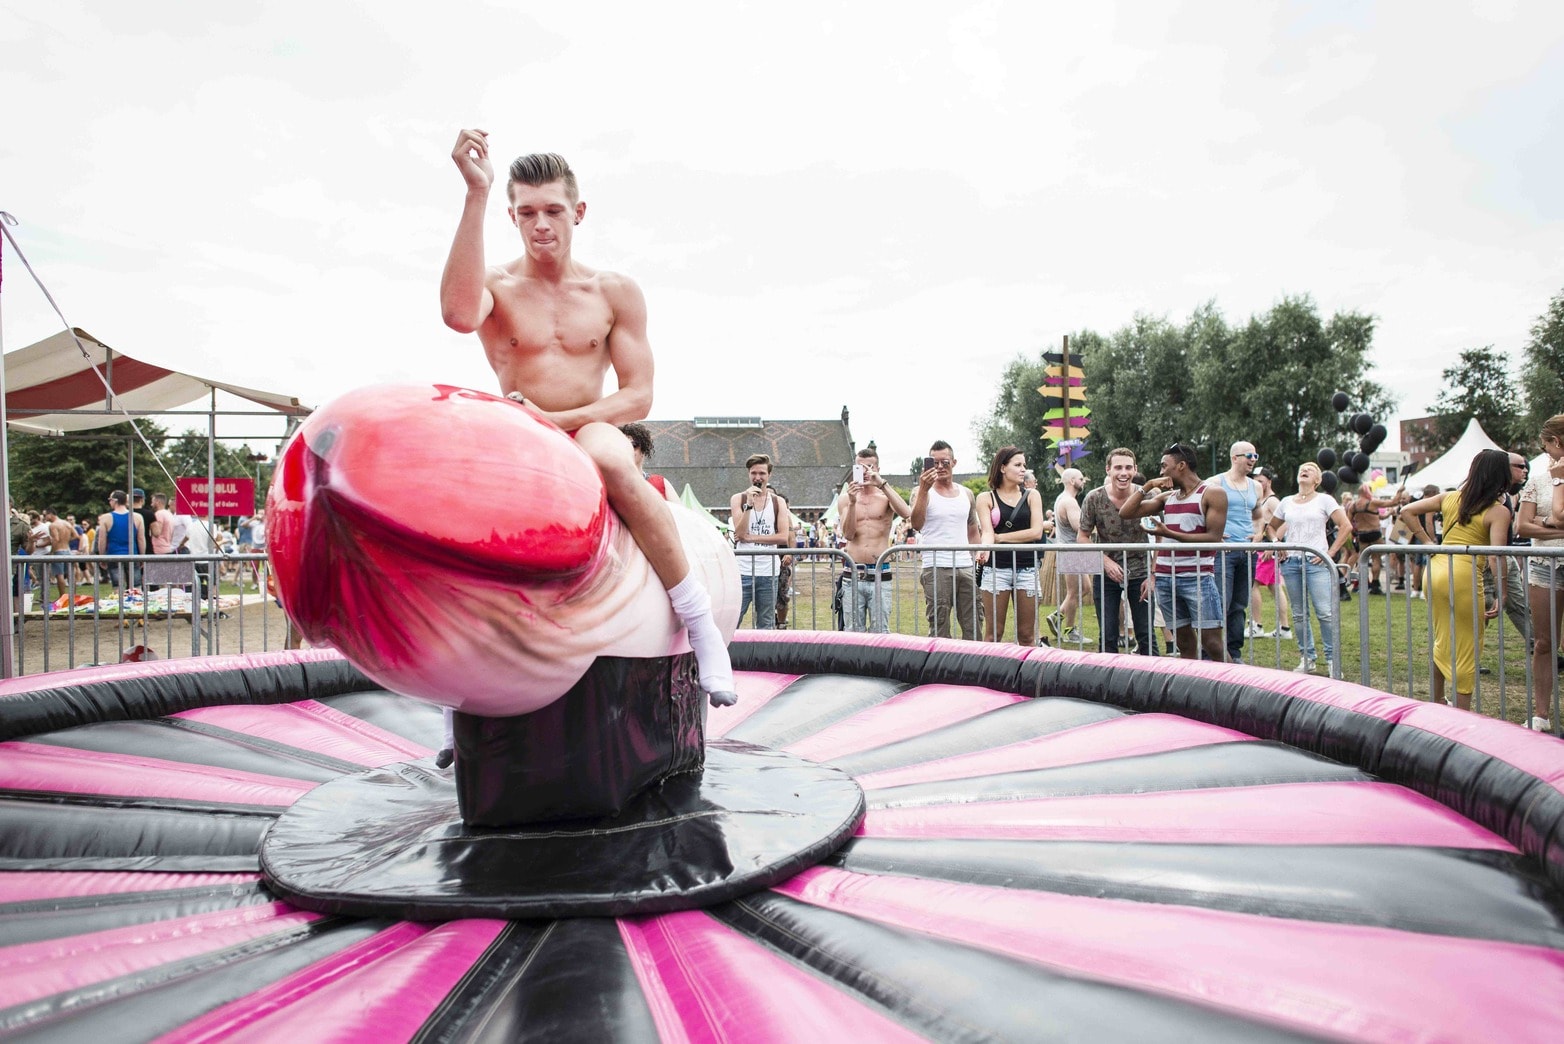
(869, 204)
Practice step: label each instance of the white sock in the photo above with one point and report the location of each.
(693, 607)
(447, 752)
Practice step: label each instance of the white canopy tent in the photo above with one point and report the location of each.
(1449, 469)
(51, 388)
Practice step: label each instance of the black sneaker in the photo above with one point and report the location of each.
(1374, 588)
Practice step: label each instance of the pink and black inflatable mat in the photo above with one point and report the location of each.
(1055, 845)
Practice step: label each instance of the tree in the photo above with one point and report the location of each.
(74, 474)
(1478, 386)
(1542, 372)
(1016, 416)
(1153, 383)
(1288, 364)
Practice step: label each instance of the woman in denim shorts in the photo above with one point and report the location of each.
(1010, 514)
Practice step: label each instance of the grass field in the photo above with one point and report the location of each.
(1398, 652)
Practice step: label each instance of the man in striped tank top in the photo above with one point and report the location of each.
(1191, 513)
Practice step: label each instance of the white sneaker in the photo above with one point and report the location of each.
(1304, 667)
(1540, 725)
(1255, 630)
(1285, 634)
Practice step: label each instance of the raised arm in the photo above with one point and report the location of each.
(920, 499)
(847, 509)
(465, 300)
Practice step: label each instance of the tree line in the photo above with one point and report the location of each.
(1269, 380)
(75, 473)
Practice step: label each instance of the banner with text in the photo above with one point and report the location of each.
(233, 496)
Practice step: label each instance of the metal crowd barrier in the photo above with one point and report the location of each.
(92, 623)
(805, 569)
(900, 566)
(1412, 645)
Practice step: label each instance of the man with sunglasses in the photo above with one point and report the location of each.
(1235, 569)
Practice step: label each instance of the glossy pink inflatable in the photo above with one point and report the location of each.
(457, 549)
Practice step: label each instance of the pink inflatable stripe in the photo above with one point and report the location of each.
(1115, 738)
(1285, 814)
(313, 726)
(383, 988)
(66, 770)
(911, 713)
(163, 669)
(706, 982)
(30, 971)
(755, 689)
(32, 885)
(1349, 980)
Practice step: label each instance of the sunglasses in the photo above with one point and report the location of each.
(1246, 456)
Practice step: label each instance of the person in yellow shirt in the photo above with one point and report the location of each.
(1474, 516)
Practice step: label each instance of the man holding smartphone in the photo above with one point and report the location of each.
(761, 519)
(943, 513)
(868, 507)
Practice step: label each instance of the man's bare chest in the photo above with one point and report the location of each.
(572, 321)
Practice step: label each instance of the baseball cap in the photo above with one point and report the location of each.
(139, 492)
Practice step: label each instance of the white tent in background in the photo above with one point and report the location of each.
(1449, 469)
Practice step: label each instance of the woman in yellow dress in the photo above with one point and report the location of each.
(1474, 516)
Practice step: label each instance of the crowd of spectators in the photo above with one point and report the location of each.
(132, 524)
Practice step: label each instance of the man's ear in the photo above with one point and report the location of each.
(581, 209)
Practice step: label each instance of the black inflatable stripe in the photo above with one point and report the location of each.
(1523, 809)
(170, 739)
(547, 981)
(59, 918)
(1239, 764)
(169, 692)
(996, 728)
(51, 835)
(1463, 892)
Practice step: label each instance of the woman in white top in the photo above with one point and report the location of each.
(1304, 515)
(1544, 576)
(1070, 564)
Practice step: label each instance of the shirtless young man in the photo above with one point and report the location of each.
(868, 508)
(552, 328)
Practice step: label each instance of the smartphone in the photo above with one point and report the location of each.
(858, 473)
(928, 463)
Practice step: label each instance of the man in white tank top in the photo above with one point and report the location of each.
(943, 513)
(761, 519)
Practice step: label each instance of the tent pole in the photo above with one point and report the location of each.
(8, 648)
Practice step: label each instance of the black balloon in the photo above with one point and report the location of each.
(1328, 482)
(1347, 475)
(1361, 423)
(1339, 401)
(1360, 463)
(1372, 440)
(1326, 459)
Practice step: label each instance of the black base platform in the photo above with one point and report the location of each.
(389, 843)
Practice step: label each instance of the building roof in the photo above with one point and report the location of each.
(809, 458)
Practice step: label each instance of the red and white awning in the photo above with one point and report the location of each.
(47, 382)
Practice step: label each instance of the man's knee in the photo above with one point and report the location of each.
(609, 450)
